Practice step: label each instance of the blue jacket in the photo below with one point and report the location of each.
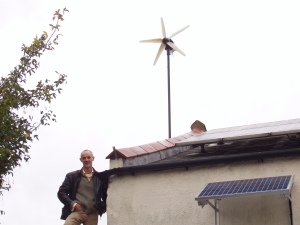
(67, 192)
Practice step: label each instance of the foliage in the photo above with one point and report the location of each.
(17, 128)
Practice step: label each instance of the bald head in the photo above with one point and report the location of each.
(87, 158)
(85, 151)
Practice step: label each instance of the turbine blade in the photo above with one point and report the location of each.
(160, 50)
(156, 40)
(177, 32)
(172, 45)
(163, 28)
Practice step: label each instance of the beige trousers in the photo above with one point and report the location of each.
(79, 217)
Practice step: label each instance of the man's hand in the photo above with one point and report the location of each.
(77, 207)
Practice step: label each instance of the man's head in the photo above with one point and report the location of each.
(87, 158)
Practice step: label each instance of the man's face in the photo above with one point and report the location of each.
(87, 159)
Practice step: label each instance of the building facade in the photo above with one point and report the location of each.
(161, 185)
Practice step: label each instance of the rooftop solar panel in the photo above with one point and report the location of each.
(243, 132)
(270, 185)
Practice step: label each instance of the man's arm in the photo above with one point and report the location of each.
(64, 191)
(104, 188)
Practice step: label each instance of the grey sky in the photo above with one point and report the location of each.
(241, 67)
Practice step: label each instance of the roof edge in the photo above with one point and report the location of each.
(201, 161)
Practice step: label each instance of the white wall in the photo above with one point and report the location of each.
(168, 197)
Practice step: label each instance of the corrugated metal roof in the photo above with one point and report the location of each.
(249, 143)
(244, 132)
(149, 148)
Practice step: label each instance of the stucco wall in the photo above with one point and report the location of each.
(168, 197)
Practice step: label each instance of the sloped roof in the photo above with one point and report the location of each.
(262, 137)
(260, 130)
(282, 139)
(151, 147)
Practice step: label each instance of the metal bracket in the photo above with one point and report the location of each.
(217, 210)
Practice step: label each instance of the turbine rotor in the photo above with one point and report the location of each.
(166, 42)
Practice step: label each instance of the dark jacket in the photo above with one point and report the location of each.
(67, 192)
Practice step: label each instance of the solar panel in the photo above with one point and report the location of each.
(237, 188)
(243, 132)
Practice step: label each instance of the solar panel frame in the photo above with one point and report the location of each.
(280, 185)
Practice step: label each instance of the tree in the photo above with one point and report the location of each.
(17, 128)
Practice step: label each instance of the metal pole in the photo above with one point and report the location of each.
(291, 211)
(217, 212)
(169, 93)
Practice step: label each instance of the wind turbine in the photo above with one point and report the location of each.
(170, 47)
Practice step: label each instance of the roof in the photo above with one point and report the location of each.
(149, 148)
(258, 142)
(262, 137)
(244, 132)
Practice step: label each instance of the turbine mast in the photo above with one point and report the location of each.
(169, 92)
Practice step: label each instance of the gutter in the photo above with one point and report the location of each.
(199, 162)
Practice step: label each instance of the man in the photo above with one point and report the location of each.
(83, 194)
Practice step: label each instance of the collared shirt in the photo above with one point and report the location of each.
(89, 176)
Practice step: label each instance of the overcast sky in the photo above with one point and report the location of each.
(241, 67)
